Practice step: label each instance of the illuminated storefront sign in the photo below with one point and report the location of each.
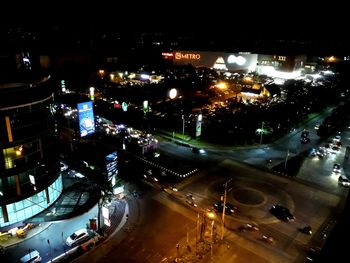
(92, 93)
(220, 64)
(221, 61)
(124, 106)
(86, 118)
(168, 55)
(189, 56)
(112, 165)
(145, 106)
(199, 125)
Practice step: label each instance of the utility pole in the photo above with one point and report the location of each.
(183, 124)
(187, 238)
(223, 209)
(211, 237)
(197, 230)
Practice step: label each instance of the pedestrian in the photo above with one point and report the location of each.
(127, 216)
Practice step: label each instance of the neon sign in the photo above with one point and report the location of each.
(167, 54)
(193, 56)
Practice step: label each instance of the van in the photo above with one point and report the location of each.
(31, 257)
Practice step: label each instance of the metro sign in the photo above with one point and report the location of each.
(187, 56)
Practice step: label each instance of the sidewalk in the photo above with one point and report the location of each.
(77, 198)
(14, 240)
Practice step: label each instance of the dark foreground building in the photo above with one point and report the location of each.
(29, 177)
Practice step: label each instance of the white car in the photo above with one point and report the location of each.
(63, 166)
(77, 237)
(337, 138)
(31, 257)
(344, 181)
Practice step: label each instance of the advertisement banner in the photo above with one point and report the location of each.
(112, 165)
(199, 125)
(86, 118)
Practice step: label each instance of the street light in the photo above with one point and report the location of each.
(285, 163)
(262, 131)
(63, 244)
(48, 241)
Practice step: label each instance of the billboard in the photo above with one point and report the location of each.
(199, 125)
(112, 165)
(217, 60)
(86, 118)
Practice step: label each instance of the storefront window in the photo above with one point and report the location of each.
(33, 205)
(15, 155)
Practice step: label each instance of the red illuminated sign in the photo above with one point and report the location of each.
(168, 55)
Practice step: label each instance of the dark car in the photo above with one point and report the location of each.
(229, 208)
(304, 134)
(313, 254)
(336, 168)
(305, 140)
(195, 150)
(281, 213)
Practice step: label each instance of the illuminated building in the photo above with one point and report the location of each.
(278, 66)
(29, 178)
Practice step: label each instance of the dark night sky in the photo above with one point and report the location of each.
(221, 25)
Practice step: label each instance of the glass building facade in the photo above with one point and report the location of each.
(29, 177)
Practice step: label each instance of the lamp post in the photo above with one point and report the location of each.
(187, 237)
(48, 241)
(197, 230)
(261, 132)
(285, 163)
(211, 215)
(64, 248)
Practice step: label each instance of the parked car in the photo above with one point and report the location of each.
(63, 166)
(282, 213)
(77, 237)
(32, 257)
(337, 138)
(344, 181)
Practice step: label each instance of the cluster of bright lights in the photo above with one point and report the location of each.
(272, 72)
(221, 85)
(232, 59)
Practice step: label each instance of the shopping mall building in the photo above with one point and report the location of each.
(271, 65)
(29, 178)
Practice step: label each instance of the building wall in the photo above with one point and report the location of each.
(29, 176)
(217, 60)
